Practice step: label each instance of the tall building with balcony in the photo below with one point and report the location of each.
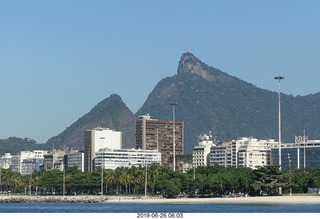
(154, 134)
(223, 154)
(253, 152)
(98, 139)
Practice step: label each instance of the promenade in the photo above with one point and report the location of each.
(301, 199)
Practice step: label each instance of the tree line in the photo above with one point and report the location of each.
(207, 181)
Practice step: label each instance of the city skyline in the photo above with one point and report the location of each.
(59, 59)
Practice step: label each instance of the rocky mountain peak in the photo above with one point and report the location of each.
(191, 64)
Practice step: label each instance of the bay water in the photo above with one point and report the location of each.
(153, 208)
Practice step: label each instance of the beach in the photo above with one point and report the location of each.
(294, 199)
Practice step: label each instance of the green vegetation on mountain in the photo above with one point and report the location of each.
(14, 145)
(211, 100)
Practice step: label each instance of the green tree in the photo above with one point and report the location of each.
(267, 180)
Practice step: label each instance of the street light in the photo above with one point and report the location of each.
(102, 138)
(279, 78)
(0, 179)
(304, 148)
(173, 104)
(146, 179)
(289, 161)
(64, 180)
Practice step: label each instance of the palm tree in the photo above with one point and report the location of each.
(109, 177)
(125, 178)
(136, 179)
(153, 173)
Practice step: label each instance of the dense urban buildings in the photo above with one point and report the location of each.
(154, 134)
(103, 148)
(246, 152)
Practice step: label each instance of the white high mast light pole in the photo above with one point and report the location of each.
(304, 148)
(102, 162)
(173, 104)
(279, 78)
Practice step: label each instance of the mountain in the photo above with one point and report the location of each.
(208, 100)
(211, 100)
(109, 113)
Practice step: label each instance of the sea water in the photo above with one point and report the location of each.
(154, 208)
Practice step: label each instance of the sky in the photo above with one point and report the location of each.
(58, 59)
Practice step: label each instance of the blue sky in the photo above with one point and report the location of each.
(58, 59)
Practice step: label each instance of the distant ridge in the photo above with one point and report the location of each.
(109, 113)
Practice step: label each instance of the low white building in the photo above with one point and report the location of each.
(17, 160)
(111, 158)
(201, 152)
(5, 161)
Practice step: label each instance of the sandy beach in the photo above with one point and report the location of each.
(299, 199)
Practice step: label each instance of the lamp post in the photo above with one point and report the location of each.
(289, 161)
(304, 148)
(102, 138)
(145, 181)
(64, 179)
(279, 78)
(0, 178)
(173, 104)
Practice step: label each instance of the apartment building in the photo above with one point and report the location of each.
(201, 152)
(154, 134)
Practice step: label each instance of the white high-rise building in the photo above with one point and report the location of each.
(200, 153)
(98, 139)
(253, 152)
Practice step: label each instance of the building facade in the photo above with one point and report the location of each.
(301, 155)
(153, 134)
(253, 153)
(113, 158)
(98, 139)
(5, 161)
(223, 154)
(74, 159)
(54, 160)
(201, 152)
(24, 162)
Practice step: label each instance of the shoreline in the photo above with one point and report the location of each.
(259, 200)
